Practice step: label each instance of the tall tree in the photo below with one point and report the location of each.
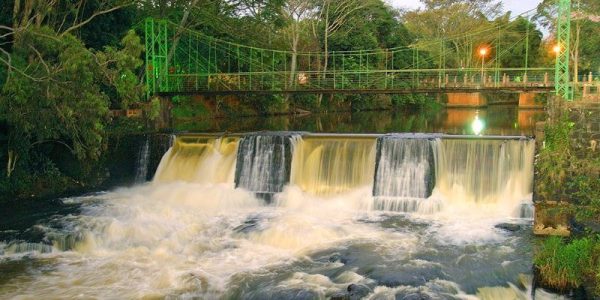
(585, 17)
(450, 20)
(54, 88)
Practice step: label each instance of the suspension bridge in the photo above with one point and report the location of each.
(181, 61)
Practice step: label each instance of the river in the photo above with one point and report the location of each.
(292, 215)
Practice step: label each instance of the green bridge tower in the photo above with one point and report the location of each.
(563, 38)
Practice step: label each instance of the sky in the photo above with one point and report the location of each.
(516, 6)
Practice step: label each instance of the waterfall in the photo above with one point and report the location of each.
(263, 162)
(332, 165)
(407, 172)
(202, 159)
(141, 170)
(485, 171)
(404, 173)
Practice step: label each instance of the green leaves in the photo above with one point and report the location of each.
(58, 93)
(566, 265)
(118, 67)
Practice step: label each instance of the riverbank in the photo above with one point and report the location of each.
(568, 198)
(50, 172)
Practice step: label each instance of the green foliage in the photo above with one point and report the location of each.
(55, 95)
(584, 188)
(268, 104)
(119, 66)
(514, 48)
(555, 160)
(566, 265)
(153, 110)
(185, 108)
(564, 174)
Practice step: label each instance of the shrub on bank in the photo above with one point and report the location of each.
(569, 172)
(567, 265)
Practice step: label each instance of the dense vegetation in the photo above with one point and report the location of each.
(65, 64)
(569, 173)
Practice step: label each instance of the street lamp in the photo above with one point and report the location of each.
(483, 52)
(556, 49)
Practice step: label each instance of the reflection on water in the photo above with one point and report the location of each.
(497, 120)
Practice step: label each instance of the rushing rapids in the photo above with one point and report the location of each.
(347, 216)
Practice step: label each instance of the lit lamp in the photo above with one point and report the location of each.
(483, 52)
(556, 49)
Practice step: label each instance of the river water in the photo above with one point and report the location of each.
(336, 226)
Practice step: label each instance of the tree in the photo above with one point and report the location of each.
(584, 18)
(52, 96)
(447, 22)
(295, 13)
(519, 42)
(54, 87)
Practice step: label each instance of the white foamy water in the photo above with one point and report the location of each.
(190, 233)
(191, 239)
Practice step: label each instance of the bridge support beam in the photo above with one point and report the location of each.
(528, 100)
(473, 100)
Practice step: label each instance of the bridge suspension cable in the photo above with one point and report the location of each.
(180, 60)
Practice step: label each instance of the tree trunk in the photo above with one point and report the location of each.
(184, 18)
(325, 53)
(294, 62)
(16, 10)
(12, 162)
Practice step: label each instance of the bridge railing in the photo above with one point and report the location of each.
(361, 80)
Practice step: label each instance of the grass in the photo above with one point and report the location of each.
(566, 265)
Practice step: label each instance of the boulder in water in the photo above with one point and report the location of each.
(416, 296)
(337, 258)
(509, 227)
(358, 291)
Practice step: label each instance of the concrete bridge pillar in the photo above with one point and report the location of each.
(473, 100)
(527, 100)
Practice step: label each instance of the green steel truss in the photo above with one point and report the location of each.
(563, 38)
(157, 52)
(196, 63)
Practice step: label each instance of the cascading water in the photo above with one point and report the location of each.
(141, 171)
(188, 235)
(332, 165)
(263, 162)
(485, 172)
(199, 159)
(405, 172)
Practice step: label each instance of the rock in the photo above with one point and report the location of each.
(340, 296)
(358, 291)
(509, 227)
(416, 296)
(337, 258)
(551, 218)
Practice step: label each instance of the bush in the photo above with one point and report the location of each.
(565, 265)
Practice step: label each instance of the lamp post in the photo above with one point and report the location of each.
(482, 52)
